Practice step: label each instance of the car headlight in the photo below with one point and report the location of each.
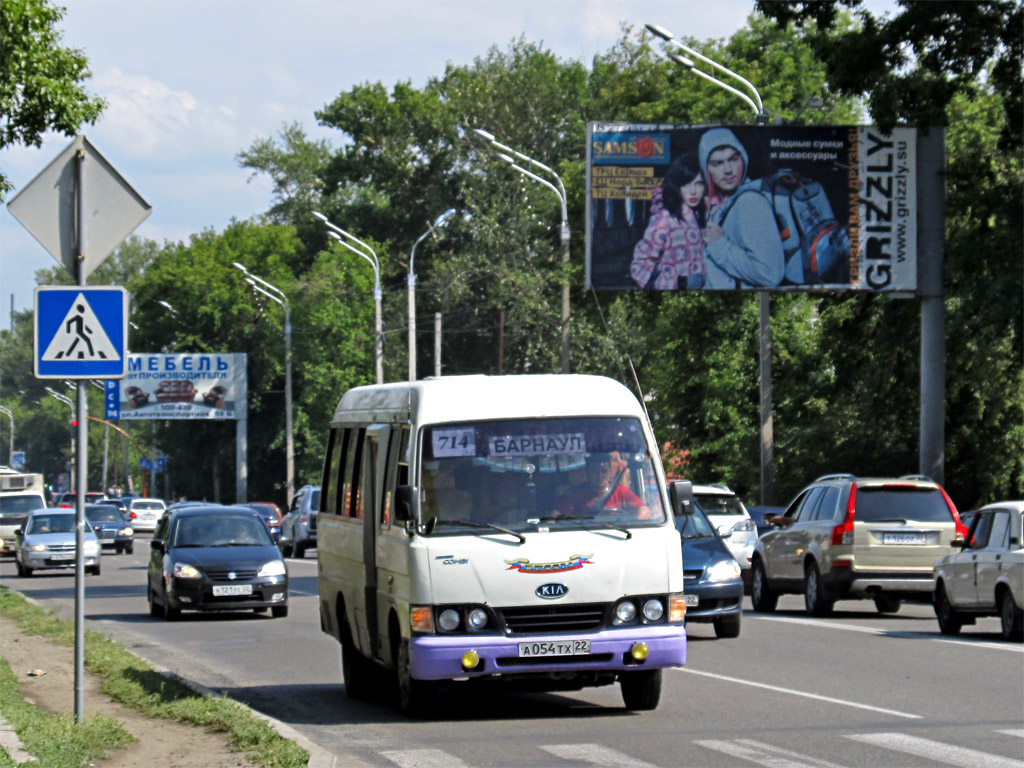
(653, 609)
(448, 620)
(273, 568)
(36, 547)
(92, 546)
(477, 618)
(625, 612)
(127, 532)
(724, 570)
(186, 571)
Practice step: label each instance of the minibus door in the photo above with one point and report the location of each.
(375, 451)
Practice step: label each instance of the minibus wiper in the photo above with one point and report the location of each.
(472, 524)
(574, 518)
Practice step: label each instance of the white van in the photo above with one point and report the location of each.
(500, 529)
(20, 493)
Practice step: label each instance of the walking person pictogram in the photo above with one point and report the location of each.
(81, 331)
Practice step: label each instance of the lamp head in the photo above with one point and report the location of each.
(236, 265)
(483, 134)
(681, 60)
(320, 216)
(335, 235)
(504, 158)
(657, 31)
(444, 218)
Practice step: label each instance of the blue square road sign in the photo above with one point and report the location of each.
(81, 332)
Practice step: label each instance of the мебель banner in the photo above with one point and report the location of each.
(751, 208)
(186, 386)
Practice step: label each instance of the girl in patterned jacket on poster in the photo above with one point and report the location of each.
(671, 253)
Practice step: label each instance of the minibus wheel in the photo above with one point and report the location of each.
(641, 690)
(413, 694)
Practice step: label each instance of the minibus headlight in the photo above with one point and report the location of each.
(625, 612)
(653, 609)
(477, 618)
(448, 620)
(421, 618)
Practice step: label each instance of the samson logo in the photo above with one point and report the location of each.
(630, 148)
(551, 591)
(575, 562)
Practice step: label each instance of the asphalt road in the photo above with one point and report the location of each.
(855, 689)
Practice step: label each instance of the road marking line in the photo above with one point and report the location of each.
(936, 750)
(805, 694)
(423, 758)
(1018, 733)
(764, 754)
(891, 633)
(594, 754)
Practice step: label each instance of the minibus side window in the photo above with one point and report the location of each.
(352, 476)
(397, 470)
(331, 481)
(345, 478)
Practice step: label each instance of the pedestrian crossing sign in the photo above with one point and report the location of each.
(81, 332)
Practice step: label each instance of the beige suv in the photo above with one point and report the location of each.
(847, 538)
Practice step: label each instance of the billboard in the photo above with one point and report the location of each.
(751, 207)
(185, 386)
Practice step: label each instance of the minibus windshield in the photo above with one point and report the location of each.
(530, 474)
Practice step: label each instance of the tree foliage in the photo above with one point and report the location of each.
(41, 82)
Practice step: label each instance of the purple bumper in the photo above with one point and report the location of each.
(439, 657)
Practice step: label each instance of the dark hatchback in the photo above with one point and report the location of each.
(272, 520)
(712, 581)
(215, 558)
(111, 527)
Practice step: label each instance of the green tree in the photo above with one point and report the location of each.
(41, 82)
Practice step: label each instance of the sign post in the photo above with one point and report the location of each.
(77, 196)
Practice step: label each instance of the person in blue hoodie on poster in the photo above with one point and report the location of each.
(742, 245)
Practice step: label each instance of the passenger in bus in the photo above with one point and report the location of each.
(603, 490)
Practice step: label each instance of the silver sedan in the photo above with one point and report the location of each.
(48, 541)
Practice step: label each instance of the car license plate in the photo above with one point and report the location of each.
(232, 589)
(62, 556)
(690, 600)
(904, 538)
(554, 648)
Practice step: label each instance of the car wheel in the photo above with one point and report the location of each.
(887, 604)
(1011, 618)
(286, 550)
(641, 690)
(93, 570)
(950, 622)
(118, 550)
(300, 550)
(414, 696)
(728, 626)
(155, 609)
(279, 611)
(129, 549)
(23, 570)
(815, 601)
(172, 614)
(762, 596)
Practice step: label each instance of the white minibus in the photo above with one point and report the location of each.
(508, 530)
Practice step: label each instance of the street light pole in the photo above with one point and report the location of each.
(763, 297)
(67, 401)
(439, 222)
(10, 454)
(370, 255)
(274, 293)
(563, 231)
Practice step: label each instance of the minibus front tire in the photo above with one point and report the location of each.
(641, 690)
(413, 695)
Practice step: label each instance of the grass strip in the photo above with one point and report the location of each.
(132, 681)
(53, 740)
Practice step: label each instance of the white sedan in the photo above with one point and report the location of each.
(986, 577)
(144, 514)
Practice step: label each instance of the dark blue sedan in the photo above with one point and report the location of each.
(712, 582)
(272, 520)
(214, 558)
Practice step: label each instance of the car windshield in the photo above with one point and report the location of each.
(103, 514)
(694, 526)
(147, 505)
(921, 505)
(719, 504)
(528, 474)
(51, 524)
(220, 530)
(19, 506)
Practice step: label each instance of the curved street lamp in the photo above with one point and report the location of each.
(274, 293)
(371, 256)
(439, 222)
(564, 230)
(10, 415)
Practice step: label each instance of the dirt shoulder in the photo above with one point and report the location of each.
(158, 742)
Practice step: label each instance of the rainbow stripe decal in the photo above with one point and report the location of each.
(574, 563)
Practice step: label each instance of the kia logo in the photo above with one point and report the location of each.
(551, 591)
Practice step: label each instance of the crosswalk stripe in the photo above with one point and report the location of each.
(422, 758)
(937, 751)
(765, 754)
(594, 754)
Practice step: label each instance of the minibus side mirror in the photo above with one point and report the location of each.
(681, 495)
(407, 504)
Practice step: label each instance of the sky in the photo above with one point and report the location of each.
(191, 83)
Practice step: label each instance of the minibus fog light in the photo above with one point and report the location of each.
(470, 659)
(448, 620)
(477, 618)
(653, 610)
(625, 612)
(639, 651)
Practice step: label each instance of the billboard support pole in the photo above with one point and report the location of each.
(930, 259)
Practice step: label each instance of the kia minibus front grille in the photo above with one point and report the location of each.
(553, 618)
